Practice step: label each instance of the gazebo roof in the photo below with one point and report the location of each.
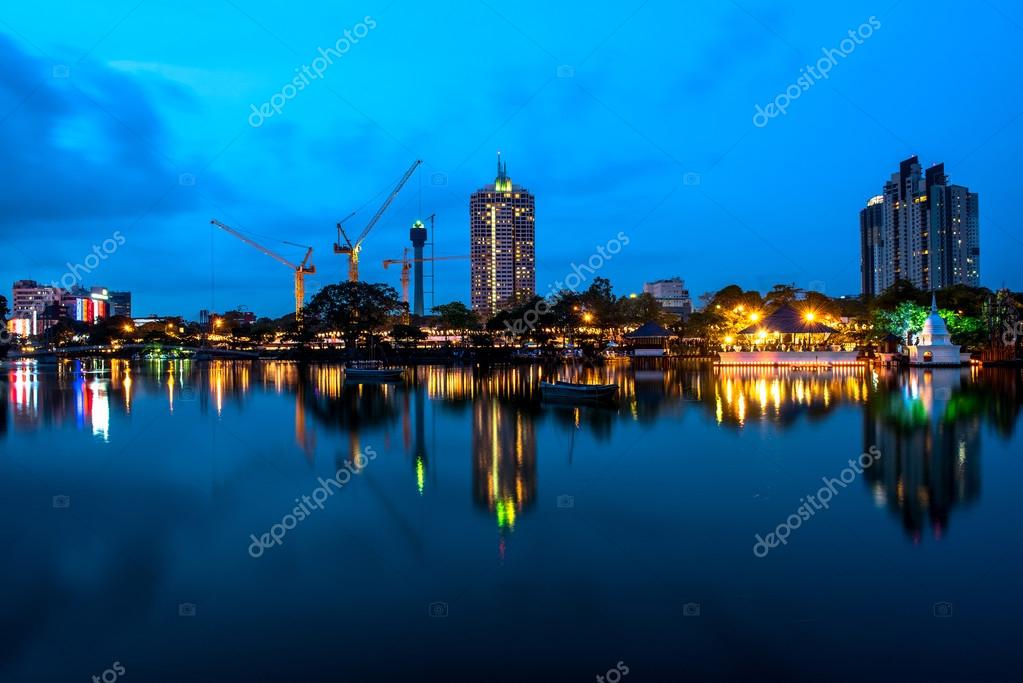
(648, 330)
(788, 320)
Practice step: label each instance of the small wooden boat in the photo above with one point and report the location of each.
(575, 391)
(371, 371)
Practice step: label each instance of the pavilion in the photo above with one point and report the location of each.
(649, 339)
(787, 328)
(786, 337)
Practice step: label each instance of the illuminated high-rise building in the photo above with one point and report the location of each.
(502, 245)
(921, 229)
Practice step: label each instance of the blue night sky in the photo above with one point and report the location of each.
(104, 107)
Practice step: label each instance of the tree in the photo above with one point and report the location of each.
(902, 290)
(407, 335)
(634, 311)
(63, 332)
(114, 327)
(355, 310)
(3, 309)
(781, 295)
(456, 317)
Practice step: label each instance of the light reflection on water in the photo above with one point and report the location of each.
(686, 449)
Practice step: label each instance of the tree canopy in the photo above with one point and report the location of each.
(355, 310)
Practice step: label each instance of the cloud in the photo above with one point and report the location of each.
(87, 144)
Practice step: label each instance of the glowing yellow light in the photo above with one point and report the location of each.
(754, 316)
(809, 316)
(587, 317)
(729, 339)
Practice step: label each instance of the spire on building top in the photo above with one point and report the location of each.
(502, 183)
(934, 303)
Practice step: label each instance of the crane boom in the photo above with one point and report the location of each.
(387, 202)
(251, 243)
(300, 271)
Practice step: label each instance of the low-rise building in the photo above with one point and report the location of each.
(671, 294)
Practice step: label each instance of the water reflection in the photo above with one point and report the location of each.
(927, 423)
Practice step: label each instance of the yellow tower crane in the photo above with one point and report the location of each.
(354, 248)
(301, 270)
(406, 266)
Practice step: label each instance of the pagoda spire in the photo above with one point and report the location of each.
(934, 303)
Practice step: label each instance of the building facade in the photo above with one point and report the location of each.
(87, 306)
(871, 225)
(502, 245)
(33, 306)
(926, 231)
(120, 304)
(671, 294)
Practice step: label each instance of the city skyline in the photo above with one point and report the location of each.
(148, 137)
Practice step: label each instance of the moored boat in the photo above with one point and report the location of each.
(575, 391)
(371, 371)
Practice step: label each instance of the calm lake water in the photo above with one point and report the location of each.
(490, 536)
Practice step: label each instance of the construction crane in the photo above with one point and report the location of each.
(406, 266)
(353, 248)
(301, 270)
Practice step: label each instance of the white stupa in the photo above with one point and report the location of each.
(934, 344)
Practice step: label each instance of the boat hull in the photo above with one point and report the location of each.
(577, 392)
(373, 374)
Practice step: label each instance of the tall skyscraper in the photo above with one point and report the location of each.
(502, 245)
(926, 231)
(871, 225)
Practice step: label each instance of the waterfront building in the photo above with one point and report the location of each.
(32, 306)
(649, 339)
(786, 337)
(120, 304)
(922, 229)
(89, 306)
(502, 245)
(671, 294)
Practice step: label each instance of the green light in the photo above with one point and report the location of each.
(420, 474)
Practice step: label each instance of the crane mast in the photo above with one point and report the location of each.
(300, 270)
(354, 248)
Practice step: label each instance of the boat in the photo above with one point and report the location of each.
(371, 371)
(576, 391)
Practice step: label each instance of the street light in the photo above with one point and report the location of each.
(587, 317)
